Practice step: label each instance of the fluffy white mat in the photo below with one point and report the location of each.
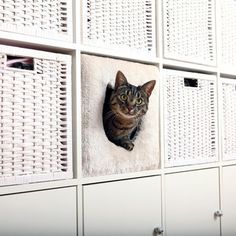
(100, 156)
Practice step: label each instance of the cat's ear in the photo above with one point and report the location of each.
(148, 87)
(120, 79)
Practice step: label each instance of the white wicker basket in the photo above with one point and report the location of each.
(189, 31)
(35, 118)
(43, 18)
(121, 25)
(228, 33)
(228, 98)
(190, 118)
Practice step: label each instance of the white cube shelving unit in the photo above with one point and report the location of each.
(192, 43)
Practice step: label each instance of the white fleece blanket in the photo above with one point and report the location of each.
(100, 156)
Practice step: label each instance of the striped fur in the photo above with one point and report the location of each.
(123, 109)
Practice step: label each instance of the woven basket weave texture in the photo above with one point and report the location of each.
(228, 116)
(43, 18)
(120, 25)
(228, 33)
(189, 31)
(190, 118)
(35, 133)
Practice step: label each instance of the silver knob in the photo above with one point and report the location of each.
(158, 231)
(218, 213)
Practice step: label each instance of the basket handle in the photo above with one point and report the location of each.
(189, 82)
(20, 63)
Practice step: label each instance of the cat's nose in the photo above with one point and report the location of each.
(131, 109)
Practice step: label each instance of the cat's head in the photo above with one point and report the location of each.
(128, 100)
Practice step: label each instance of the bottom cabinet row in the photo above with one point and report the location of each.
(41, 213)
(192, 203)
(123, 208)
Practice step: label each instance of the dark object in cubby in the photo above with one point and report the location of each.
(190, 82)
(24, 63)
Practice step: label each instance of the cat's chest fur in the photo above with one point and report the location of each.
(121, 127)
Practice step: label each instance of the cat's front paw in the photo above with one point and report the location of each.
(128, 146)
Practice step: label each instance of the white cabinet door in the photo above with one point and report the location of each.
(192, 198)
(229, 201)
(43, 213)
(123, 208)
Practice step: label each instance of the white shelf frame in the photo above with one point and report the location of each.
(75, 49)
(162, 63)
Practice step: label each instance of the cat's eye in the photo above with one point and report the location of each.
(123, 97)
(139, 101)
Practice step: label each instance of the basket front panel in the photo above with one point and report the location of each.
(44, 18)
(34, 136)
(190, 120)
(120, 25)
(189, 31)
(229, 121)
(228, 32)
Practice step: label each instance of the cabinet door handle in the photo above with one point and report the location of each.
(218, 213)
(158, 231)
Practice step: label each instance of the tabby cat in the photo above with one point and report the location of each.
(123, 109)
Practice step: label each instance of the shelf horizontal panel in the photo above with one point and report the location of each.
(27, 41)
(23, 188)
